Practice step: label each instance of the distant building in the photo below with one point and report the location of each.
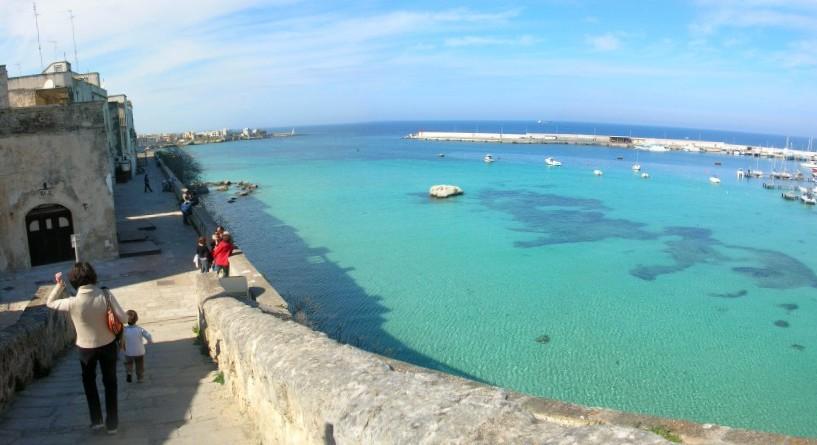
(58, 84)
(55, 174)
(120, 110)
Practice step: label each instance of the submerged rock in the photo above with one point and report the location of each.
(444, 191)
(543, 339)
(781, 323)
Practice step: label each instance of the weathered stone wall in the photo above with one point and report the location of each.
(304, 388)
(4, 90)
(29, 347)
(65, 147)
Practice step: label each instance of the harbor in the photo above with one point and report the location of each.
(632, 142)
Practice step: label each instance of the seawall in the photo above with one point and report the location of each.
(302, 387)
(613, 141)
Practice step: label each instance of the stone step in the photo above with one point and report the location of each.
(138, 248)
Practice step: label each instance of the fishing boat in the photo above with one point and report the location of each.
(598, 172)
(552, 162)
(714, 180)
(488, 158)
(789, 196)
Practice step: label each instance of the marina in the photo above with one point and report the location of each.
(655, 145)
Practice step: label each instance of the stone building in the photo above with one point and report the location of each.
(58, 84)
(120, 110)
(55, 176)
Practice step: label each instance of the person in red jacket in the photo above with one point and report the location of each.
(221, 254)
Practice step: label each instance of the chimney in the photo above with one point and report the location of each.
(4, 87)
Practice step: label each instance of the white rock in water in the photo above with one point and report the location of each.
(444, 191)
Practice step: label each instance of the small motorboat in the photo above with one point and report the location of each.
(488, 158)
(620, 158)
(714, 180)
(718, 163)
(636, 167)
(552, 162)
(756, 173)
(645, 175)
(789, 196)
(440, 155)
(809, 164)
(768, 186)
(598, 172)
(808, 198)
(741, 174)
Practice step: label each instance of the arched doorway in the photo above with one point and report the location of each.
(49, 228)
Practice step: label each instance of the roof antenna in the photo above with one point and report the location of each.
(74, 36)
(37, 25)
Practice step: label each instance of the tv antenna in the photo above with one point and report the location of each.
(74, 37)
(37, 25)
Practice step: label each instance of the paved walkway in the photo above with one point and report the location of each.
(179, 403)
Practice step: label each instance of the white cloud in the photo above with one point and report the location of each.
(795, 15)
(604, 42)
(486, 41)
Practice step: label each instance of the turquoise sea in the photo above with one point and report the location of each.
(668, 296)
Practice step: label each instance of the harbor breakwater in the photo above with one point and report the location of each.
(303, 387)
(650, 144)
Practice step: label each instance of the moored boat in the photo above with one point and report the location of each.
(552, 162)
(636, 167)
(645, 175)
(488, 158)
(808, 198)
(789, 196)
(714, 180)
(598, 172)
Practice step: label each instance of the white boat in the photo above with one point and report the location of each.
(714, 180)
(488, 158)
(808, 199)
(552, 162)
(741, 173)
(636, 167)
(809, 164)
(656, 148)
(598, 172)
(645, 175)
(802, 189)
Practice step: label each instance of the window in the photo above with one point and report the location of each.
(48, 225)
(34, 226)
(63, 222)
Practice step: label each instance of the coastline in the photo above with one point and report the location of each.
(538, 408)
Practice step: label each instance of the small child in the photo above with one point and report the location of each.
(134, 347)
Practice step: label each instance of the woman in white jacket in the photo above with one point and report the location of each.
(95, 342)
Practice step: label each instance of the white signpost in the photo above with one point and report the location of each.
(75, 245)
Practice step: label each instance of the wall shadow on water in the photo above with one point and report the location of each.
(331, 300)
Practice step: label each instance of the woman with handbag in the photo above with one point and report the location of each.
(97, 318)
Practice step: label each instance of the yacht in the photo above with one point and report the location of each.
(645, 175)
(598, 172)
(636, 167)
(809, 164)
(714, 180)
(808, 198)
(552, 162)
(488, 158)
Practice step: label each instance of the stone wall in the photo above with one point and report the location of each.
(29, 347)
(64, 147)
(304, 388)
(4, 90)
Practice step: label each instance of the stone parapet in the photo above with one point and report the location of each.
(302, 387)
(30, 347)
(52, 118)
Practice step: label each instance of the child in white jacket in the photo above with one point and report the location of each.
(133, 336)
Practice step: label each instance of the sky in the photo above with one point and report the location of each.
(747, 65)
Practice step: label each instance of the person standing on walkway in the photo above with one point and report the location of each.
(204, 255)
(95, 342)
(187, 209)
(133, 336)
(147, 184)
(221, 254)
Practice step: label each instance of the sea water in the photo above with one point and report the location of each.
(668, 296)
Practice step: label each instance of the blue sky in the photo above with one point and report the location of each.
(196, 64)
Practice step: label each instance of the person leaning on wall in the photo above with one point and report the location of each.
(95, 341)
